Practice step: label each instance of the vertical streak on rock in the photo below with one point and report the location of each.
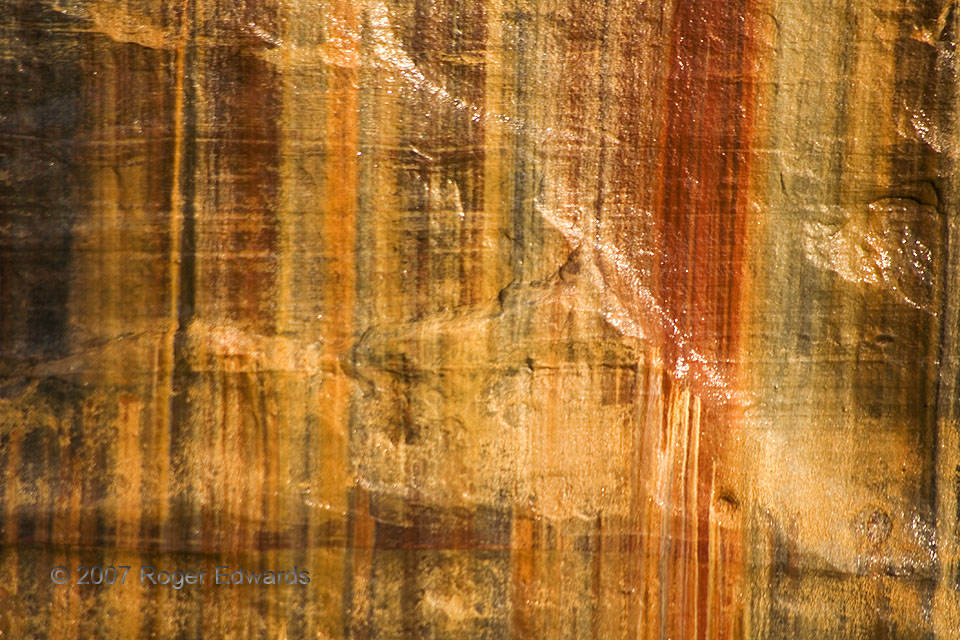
(944, 33)
(340, 177)
(678, 571)
(182, 263)
(11, 489)
(118, 312)
(128, 506)
(492, 266)
(674, 563)
(40, 71)
(525, 104)
(523, 553)
(651, 517)
(309, 53)
(723, 606)
(696, 582)
(703, 200)
(361, 540)
(340, 206)
(703, 148)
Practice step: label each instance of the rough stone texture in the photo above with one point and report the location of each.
(503, 318)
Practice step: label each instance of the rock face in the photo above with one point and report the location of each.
(501, 318)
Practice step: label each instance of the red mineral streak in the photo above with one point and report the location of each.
(704, 175)
(703, 197)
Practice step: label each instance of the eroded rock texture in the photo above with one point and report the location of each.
(502, 318)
